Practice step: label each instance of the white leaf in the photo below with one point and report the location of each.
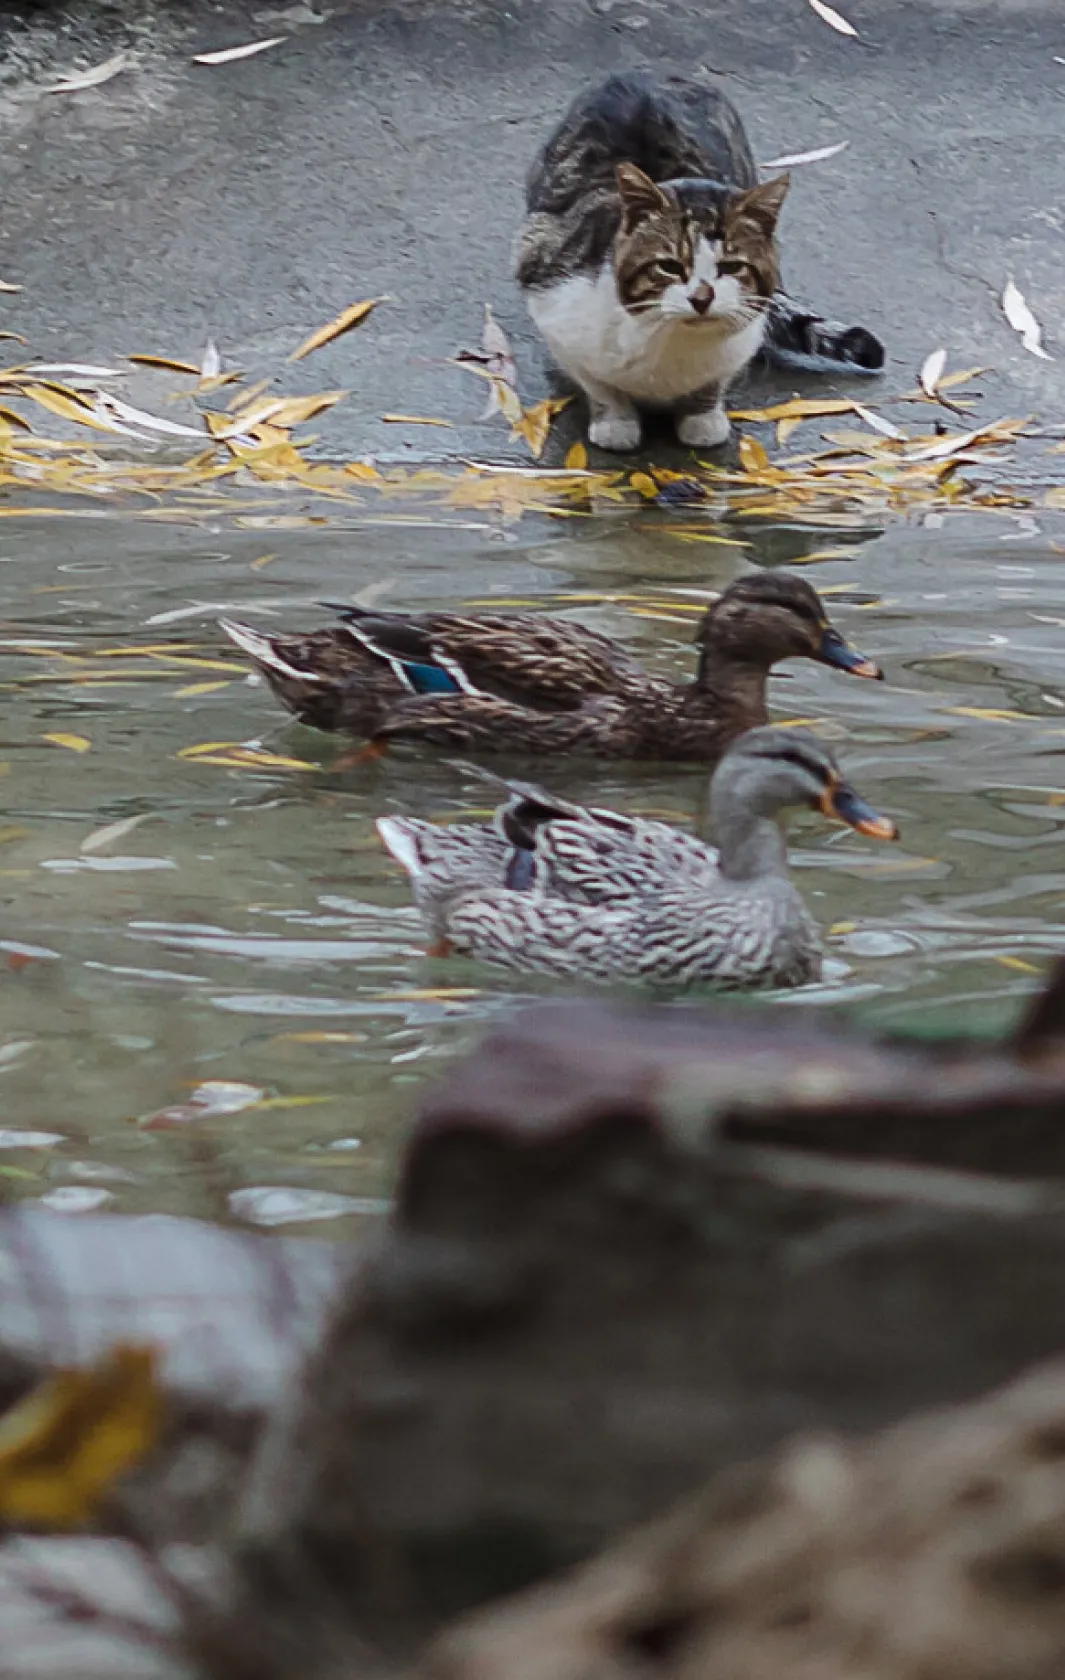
(81, 370)
(832, 18)
(1022, 320)
(92, 78)
(211, 366)
(112, 831)
(816, 156)
(932, 372)
(878, 423)
(115, 408)
(228, 54)
(6, 286)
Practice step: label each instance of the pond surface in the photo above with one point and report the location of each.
(225, 1011)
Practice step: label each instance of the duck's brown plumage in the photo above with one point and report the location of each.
(519, 682)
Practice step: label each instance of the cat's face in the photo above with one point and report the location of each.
(696, 253)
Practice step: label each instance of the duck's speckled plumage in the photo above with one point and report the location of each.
(523, 683)
(589, 894)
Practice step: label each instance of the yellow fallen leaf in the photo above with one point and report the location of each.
(295, 411)
(507, 399)
(535, 423)
(645, 484)
(192, 689)
(796, 408)
(320, 1038)
(66, 407)
(208, 747)
(415, 420)
(431, 994)
(64, 1445)
(1017, 963)
(170, 363)
(753, 456)
(341, 323)
(996, 714)
(76, 743)
(260, 564)
(236, 756)
(577, 457)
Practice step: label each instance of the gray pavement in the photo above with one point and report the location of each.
(383, 150)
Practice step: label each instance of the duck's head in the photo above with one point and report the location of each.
(770, 616)
(772, 770)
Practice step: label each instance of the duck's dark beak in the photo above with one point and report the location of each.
(839, 800)
(833, 650)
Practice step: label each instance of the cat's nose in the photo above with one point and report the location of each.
(702, 297)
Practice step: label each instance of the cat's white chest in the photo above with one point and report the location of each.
(653, 358)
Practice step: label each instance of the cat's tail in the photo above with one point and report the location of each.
(798, 338)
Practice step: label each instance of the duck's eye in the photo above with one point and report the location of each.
(670, 268)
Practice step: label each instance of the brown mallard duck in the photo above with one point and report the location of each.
(522, 683)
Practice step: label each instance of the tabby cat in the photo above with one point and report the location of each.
(648, 259)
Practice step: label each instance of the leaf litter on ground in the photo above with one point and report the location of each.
(247, 461)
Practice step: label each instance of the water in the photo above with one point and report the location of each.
(226, 1011)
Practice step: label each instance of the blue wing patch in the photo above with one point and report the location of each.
(430, 679)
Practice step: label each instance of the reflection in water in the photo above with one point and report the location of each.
(248, 934)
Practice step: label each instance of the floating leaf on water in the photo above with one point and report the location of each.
(818, 155)
(1018, 963)
(237, 755)
(65, 1444)
(213, 1096)
(74, 743)
(193, 689)
(228, 55)
(994, 714)
(320, 1038)
(93, 78)
(111, 832)
(415, 420)
(342, 323)
(279, 1205)
(1021, 319)
(834, 19)
(932, 369)
(432, 994)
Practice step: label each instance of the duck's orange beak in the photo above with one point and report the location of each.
(840, 801)
(833, 650)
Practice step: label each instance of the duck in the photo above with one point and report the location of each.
(585, 894)
(521, 682)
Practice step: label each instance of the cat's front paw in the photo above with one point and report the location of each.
(615, 431)
(707, 430)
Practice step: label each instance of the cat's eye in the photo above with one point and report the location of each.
(670, 268)
(733, 265)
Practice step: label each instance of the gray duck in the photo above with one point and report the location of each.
(525, 683)
(587, 894)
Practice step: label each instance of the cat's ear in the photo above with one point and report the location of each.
(639, 195)
(761, 205)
